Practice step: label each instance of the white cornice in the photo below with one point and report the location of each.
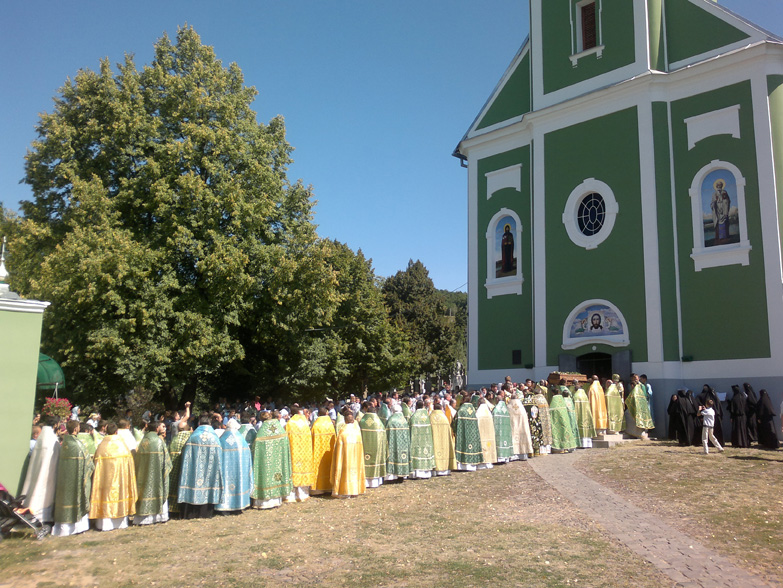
(664, 87)
(23, 305)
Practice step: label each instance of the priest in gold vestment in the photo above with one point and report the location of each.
(114, 493)
(348, 460)
(323, 449)
(300, 438)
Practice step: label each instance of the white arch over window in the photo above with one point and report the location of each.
(705, 256)
(613, 327)
(508, 284)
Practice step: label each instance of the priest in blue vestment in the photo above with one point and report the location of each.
(237, 470)
(201, 479)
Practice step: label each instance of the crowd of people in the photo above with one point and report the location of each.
(752, 417)
(106, 475)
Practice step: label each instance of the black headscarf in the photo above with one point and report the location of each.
(708, 393)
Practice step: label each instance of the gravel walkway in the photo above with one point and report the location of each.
(686, 561)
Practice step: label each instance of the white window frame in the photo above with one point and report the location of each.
(509, 284)
(577, 50)
(718, 255)
(571, 211)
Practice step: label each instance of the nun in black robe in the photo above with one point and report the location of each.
(697, 426)
(673, 410)
(752, 410)
(738, 406)
(768, 438)
(708, 393)
(682, 416)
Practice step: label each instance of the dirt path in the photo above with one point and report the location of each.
(681, 558)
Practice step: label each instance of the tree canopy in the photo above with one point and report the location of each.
(162, 227)
(179, 259)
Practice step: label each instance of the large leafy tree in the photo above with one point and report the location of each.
(163, 228)
(420, 311)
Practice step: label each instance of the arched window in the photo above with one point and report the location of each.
(720, 226)
(504, 247)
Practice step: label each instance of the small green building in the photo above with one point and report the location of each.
(625, 180)
(20, 339)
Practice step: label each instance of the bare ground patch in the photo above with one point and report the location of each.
(504, 526)
(732, 502)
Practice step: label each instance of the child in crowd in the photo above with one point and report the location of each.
(709, 423)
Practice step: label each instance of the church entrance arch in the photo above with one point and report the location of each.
(598, 364)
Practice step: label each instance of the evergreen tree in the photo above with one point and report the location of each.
(420, 311)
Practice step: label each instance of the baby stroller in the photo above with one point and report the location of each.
(15, 518)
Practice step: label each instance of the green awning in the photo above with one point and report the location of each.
(50, 374)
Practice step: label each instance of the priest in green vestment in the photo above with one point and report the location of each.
(384, 412)
(86, 437)
(614, 406)
(563, 437)
(639, 418)
(569, 402)
(467, 442)
(175, 454)
(543, 417)
(272, 470)
(74, 484)
(398, 438)
(153, 466)
(422, 448)
(406, 410)
(503, 442)
(340, 422)
(375, 447)
(584, 416)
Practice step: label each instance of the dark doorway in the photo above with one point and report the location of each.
(595, 364)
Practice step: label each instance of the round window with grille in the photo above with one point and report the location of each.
(591, 214)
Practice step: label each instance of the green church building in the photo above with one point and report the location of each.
(624, 188)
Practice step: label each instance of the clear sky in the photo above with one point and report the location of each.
(375, 95)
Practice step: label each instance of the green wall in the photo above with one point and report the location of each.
(607, 149)
(666, 252)
(505, 322)
(618, 38)
(691, 31)
(724, 309)
(19, 347)
(513, 99)
(775, 90)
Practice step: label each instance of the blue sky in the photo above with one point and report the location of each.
(376, 95)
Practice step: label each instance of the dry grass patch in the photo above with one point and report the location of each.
(504, 527)
(732, 502)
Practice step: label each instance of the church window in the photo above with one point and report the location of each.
(720, 232)
(504, 248)
(585, 29)
(590, 213)
(588, 26)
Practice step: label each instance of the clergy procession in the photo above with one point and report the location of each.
(107, 475)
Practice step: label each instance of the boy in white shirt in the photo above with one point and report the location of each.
(709, 423)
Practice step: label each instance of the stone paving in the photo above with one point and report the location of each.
(686, 561)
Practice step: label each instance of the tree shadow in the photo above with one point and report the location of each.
(772, 458)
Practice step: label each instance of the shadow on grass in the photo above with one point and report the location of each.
(769, 459)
